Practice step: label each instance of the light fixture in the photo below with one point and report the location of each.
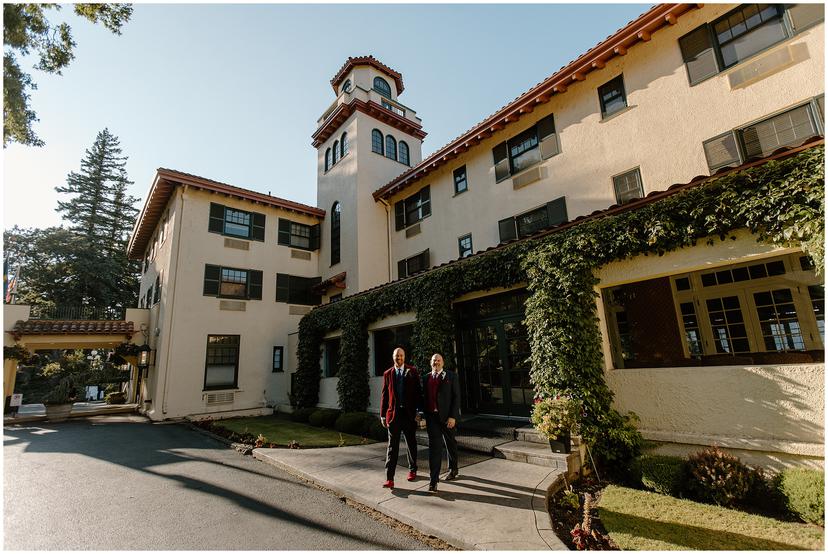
(144, 356)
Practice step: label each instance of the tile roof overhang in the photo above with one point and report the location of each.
(595, 59)
(72, 327)
(616, 209)
(162, 189)
(344, 111)
(336, 281)
(352, 62)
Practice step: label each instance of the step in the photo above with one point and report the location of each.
(530, 434)
(531, 453)
(469, 441)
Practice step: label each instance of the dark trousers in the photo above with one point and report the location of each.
(439, 435)
(401, 426)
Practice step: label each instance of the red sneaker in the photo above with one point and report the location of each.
(412, 475)
(388, 484)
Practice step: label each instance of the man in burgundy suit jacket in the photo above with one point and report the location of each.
(400, 406)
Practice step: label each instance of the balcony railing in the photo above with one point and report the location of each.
(86, 313)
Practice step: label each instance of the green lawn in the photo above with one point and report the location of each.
(282, 431)
(641, 520)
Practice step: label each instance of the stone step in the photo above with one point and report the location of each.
(531, 453)
(469, 441)
(530, 434)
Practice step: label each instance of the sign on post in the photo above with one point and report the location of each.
(16, 400)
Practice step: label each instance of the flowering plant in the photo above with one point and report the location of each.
(554, 417)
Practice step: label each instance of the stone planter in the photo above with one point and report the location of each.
(58, 412)
(561, 445)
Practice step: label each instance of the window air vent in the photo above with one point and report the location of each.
(300, 255)
(232, 306)
(765, 66)
(527, 177)
(299, 310)
(219, 398)
(238, 244)
(412, 231)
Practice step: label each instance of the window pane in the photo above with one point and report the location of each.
(612, 96)
(752, 42)
(729, 334)
(777, 318)
(523, 150)
(785, 129)
(628, 186)
(218, 375)
(532, 222)
(236, 223)
(817, 294)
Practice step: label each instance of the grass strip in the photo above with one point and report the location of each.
(283, 431)
(642, 520)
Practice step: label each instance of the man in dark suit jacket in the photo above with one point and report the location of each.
(400, 406)
(441, 392)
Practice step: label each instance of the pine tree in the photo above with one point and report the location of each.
(101, 213)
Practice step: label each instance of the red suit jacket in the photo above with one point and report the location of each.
(413, 394)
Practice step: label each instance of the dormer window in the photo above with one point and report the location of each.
(346, 86)
(382, 87)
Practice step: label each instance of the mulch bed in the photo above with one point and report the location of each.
(246, 439)
(576, 531)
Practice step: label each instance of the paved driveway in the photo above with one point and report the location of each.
(122, 483)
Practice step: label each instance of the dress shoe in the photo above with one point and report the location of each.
(432, 487)
(451, 475)
(388, 484)
(412, 475)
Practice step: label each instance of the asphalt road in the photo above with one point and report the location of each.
(129, 485)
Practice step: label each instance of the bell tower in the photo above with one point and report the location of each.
(365, 138)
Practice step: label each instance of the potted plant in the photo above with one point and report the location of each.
(556, 418)
(60, 384)
(128, 352)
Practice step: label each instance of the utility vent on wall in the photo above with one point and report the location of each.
(238, 244)
(232, 306)
(412, 231)
(527, 177)
(768, 64)
(219, 397)
(300, 255)
(299, 310)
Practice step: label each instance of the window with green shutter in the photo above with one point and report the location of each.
(236, 223)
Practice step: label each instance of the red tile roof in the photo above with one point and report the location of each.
(594, 59)
(616, 209)
(162, 189)
(72, 327)
(365, 60)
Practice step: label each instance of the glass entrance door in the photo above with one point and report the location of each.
(494, 366)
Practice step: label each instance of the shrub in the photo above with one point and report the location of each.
(718, 477)
(662, 474)
(324, 417)
(555, 417)
(376, 430)
(804, 491)
(354, 423)
(616, 442)
(118, 397)
(301, 415)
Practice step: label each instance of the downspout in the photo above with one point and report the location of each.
(387, 235)
(172, 300)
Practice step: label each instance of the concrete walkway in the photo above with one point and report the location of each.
(495, 504)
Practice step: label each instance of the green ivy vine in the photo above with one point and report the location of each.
(781, 202)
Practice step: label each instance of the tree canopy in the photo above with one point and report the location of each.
(26, 31)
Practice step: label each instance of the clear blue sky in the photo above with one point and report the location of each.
(232, 93)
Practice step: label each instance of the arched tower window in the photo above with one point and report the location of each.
(382, 87)
(343, 144)
(404, 158)
(376, 141)
(390, 147)
(336, 221)
(336, 151)
(327, 159)
(346, 86)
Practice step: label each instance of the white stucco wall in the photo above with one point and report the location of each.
(661, 132)
(771, 408)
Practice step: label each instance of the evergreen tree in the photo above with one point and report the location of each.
(101, 213)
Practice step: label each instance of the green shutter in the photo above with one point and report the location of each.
(257, 227)
(547, 137)
(556, 210)
(315, 298)
(507, 228)
(399, 215)
(698, 54)
(401, 269)
(255, 285)
(284, 232)
(425, 201)
(282, 287)
(500, 153)
(216, 218)
(425, 261)
(212, 275)
(315, 236)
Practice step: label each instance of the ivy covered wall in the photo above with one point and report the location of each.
(781, 202)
